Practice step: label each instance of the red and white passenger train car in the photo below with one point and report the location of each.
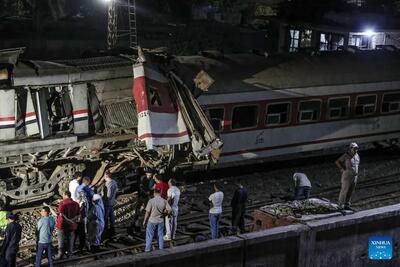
(299, 104)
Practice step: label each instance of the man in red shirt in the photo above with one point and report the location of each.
(160, 184)
(67, 223)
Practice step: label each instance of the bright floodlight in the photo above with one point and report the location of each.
(368, 32)
(107, 1)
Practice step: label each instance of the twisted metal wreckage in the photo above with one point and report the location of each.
(59, 117)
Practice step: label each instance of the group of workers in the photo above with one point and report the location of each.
(85, 215)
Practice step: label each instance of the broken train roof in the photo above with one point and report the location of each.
(249, 72)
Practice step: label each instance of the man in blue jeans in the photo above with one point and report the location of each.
(157, 208)
(216, 200)
(45, 228)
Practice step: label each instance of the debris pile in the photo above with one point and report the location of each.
(301, 207)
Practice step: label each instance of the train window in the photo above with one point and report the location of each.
(216, 117)
(277, 114)
(391, 103)
(338, 107)
(365, 105)
(309, 110)
(244, 117)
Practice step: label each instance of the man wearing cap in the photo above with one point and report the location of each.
(348, 165)
(96, 222)
(10, 246)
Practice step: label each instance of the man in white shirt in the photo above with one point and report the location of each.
(173, 195)
(216, 200)
(302, 186)
(348, 165)
(73, 186)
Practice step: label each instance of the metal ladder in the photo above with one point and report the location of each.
(124, 10)
(132, 23)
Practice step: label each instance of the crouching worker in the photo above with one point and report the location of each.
(96, 222)
(302, 186)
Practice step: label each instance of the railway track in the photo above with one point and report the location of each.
(375, 184)
(122, 245)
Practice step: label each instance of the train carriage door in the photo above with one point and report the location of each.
(79, 93)
(7, 114)
(31, 122)
(60, 109)
(96, 120)
(40, 100)
(20, 110)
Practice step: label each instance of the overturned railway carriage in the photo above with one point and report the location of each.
(299, 105)
(59, 117)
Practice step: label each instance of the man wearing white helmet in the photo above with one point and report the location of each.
(348, 164)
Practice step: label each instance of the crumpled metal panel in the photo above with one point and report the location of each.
(119, 115)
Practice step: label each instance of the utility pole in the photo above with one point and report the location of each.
(121, 23)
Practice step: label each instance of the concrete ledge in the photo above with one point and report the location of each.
(335, 241)
(274, 247)
(220, 252)
(355, 218)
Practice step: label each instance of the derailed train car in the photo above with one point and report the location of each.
(290, 106)
(58, 117)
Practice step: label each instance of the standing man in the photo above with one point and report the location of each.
(348, 165)
(216, 200)
(171, 222)
(156, 209)
(74, 184)
(96, 223)
(81, 231)
(144, 191)
(45, 228)
(160, 184)
(85, 188)
(10, 246)
(302, 186)
(67, 223)
(110, 201)
(238, 204)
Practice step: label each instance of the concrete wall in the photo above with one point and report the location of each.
(337, 241)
